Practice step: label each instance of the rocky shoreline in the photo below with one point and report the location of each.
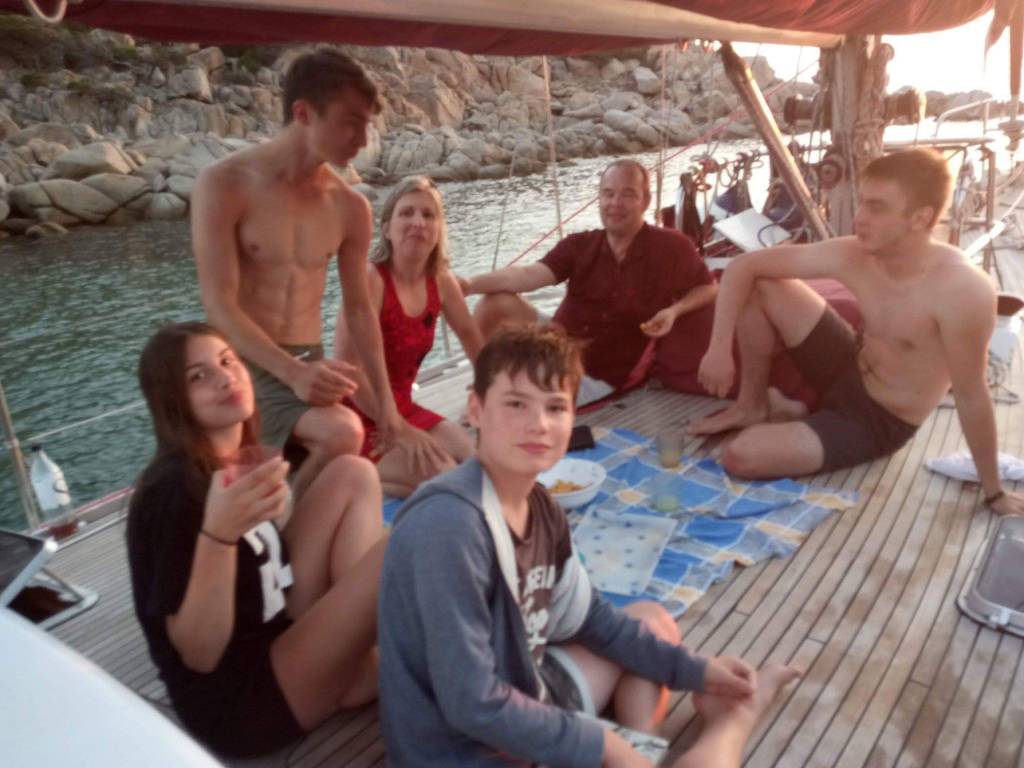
(112, 131)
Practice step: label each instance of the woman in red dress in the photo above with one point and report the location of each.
(410, 286)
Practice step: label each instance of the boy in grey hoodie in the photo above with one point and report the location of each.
(491, 637)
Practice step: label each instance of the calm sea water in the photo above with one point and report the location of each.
(76, 311)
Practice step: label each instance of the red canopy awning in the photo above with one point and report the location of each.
(856, 17)
(515, 27)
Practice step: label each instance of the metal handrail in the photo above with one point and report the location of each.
(964, 108)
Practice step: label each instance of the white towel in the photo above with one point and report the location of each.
(961, 467)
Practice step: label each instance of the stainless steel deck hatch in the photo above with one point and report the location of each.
(994, 592)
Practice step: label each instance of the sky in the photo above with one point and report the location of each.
(950, 61)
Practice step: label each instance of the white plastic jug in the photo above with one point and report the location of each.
(51, 491)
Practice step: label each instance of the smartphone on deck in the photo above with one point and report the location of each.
(581, 438)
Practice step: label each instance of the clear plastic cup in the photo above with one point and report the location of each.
(248, 458)
(669, 444)
(663, 495)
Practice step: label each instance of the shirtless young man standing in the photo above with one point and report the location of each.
(928, 316)
(266, 223)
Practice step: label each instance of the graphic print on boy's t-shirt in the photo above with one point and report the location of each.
(539, 554)
(534, 602)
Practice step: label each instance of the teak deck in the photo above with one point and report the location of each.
(895, 675)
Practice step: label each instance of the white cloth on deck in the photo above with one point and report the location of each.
(960, 466)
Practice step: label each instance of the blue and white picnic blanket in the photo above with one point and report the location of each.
(634, 552)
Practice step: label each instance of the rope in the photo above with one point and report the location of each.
(551, 145)
(726, 121)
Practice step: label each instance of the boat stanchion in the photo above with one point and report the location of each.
(28, 502)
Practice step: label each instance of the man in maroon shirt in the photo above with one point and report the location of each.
(626, 283)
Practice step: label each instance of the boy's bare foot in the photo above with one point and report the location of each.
(733, 417)
(770, 680)
(782, 408)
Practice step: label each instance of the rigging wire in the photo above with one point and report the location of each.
(551, 144)
(504, 207)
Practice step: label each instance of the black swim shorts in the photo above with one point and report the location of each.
(852, 427)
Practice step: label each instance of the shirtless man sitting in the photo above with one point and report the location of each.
(928, 316)
(266, 223)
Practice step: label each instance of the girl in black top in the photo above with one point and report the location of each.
(259, 635)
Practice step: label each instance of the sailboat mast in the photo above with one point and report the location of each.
(856, 70)
(739, 75)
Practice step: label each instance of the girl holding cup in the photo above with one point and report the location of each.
(259, 633)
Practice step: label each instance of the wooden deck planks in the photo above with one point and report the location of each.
(822, 583)
(339, 740)
(901, 571)
(990, 701)
(935, 597)
(1006, 750)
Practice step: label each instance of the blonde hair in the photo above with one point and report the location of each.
(438, 261)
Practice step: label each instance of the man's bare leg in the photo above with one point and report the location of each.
(778, 310)
(782, 408)
(496, 309)
(728, 723)
(766, 451)
(325, 432)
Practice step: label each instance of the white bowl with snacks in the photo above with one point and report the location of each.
(573, 482)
